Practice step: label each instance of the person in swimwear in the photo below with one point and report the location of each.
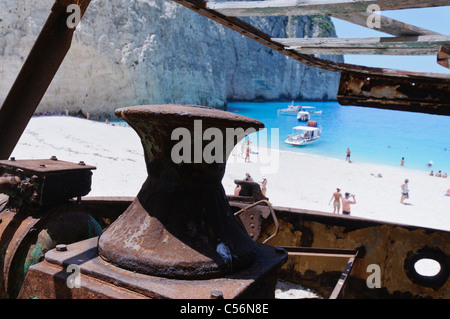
(405, 191)
(337, 201)
(346, 202)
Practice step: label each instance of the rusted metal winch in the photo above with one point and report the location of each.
(180, 225)
(37, 213)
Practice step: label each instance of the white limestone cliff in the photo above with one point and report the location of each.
(156, 51)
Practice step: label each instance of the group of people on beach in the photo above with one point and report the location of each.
(346, 200)
(438, 174)
(247, 150)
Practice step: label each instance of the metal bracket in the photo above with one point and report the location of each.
(328, 252)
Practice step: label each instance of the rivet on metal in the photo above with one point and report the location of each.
(81, 163)
(61, 247)
(53, 158)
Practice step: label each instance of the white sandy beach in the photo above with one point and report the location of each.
(294, 179)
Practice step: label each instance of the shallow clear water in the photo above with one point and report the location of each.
(373, 135)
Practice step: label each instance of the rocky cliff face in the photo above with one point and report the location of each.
(156, 51)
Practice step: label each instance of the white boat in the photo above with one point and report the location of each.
(303, 116)
(304, 135)
(311, 110)
(291, 109)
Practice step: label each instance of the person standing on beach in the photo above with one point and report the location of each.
(337, 196)
(247, 151)
(405, 191)
(348, 155)
(402, 162)
(346, 202)
(264, 185)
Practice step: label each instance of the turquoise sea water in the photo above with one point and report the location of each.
(373, 135)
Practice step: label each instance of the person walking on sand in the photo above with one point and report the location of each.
(402, 162)
(264, 185)
(247, 154)
(405, 191)
(348, 155)
(346, 202)
(337, 196)
(247, 151)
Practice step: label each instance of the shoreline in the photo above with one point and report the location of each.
(296, 180)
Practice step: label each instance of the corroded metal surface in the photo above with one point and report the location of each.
(26, 235)
(180, 224)
(393, 247)
(46, 181)
(426, 95)
(443, 57)
(100, 279)
(39, 215)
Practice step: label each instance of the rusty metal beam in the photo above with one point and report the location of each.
(328, 252)
(405, 94)
(409, 45)
(395, 249)
(36, 74)
(341, 282)
(443, 57)
(437, 83)
(320, 252)
(308, 7)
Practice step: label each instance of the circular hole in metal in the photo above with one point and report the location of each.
(427, 267)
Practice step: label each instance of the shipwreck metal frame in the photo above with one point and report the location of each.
(255, 217)
(328, 252)
(359, 85)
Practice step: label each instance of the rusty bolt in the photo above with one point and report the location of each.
(61, 247)
(216, 294)
(53, 158)
(42, 165)
(12, 159)
(81, 163)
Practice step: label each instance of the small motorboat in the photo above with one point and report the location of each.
(303, 116)
(304, 135)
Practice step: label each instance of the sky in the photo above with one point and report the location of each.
(436, 19)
